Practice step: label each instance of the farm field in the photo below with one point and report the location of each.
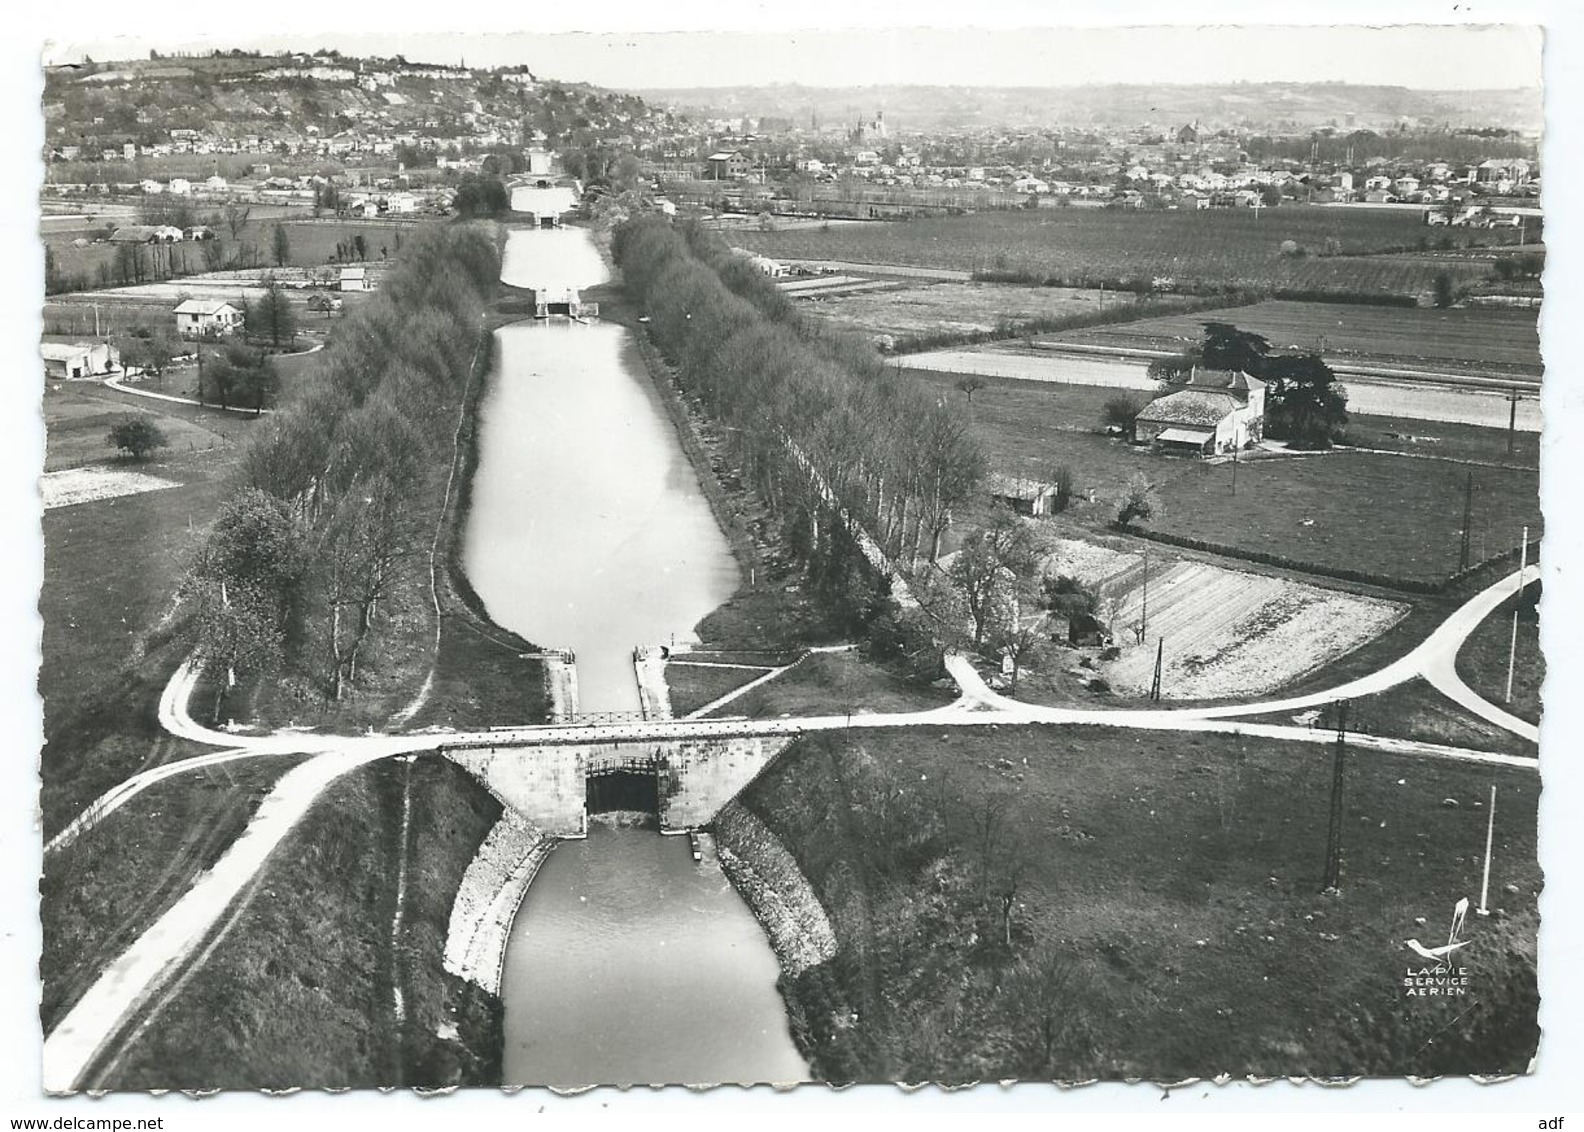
(1227, 632)
(312, 244)
(1484, 339)
(1215, 248)
(953, 307)
(1371, 511)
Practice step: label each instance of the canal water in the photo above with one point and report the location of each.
(628, 962)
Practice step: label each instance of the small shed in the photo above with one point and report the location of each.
(353, 279)
(1025, 496)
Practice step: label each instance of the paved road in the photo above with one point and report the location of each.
(1384, 396)
(133, 983)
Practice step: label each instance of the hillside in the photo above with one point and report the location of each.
(291, 101)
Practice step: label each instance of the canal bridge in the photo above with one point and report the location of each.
(555, 786)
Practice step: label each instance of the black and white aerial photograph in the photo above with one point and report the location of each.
(938, 553)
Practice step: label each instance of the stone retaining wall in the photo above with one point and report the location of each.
(487, 900)
(768, 877)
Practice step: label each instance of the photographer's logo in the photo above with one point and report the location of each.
(1439, 977)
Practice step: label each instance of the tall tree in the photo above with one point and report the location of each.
(1304, 404)
(280, 245)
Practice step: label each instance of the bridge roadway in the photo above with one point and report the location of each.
(81, 1050)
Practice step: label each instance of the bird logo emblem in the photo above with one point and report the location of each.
(1453, 943)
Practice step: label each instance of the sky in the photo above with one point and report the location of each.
(1033, 51)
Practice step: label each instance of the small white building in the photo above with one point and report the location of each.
(180, 187)
(67, 360)
(353, 279)
(202, 318)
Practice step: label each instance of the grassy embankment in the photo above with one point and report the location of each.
(1166, 916)
(1483, 662)
(298, 993)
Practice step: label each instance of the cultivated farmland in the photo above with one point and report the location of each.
(1227, 632)
(1383, 513)
(1483, 338)
(950, 306)
(1208, 249)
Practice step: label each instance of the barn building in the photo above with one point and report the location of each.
(1213, 411)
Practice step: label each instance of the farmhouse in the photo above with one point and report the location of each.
(64, 358)
(1026, 497)
(1213, 411)
(199, 318)
(147, 234)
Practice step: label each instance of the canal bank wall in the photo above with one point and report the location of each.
(767, 877)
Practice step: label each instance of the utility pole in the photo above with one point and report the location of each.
(1144, 606)
(1512, 420)
(1490, 830)
(1512, 648)
(1160, 652)
(1468, 521)
(1333, 863)
(1234, 466)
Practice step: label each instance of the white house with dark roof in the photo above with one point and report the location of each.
(199, 318)
(1213, 411)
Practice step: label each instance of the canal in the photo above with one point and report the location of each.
(628, 962)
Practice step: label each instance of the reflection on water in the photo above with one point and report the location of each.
(629, 963)
(588, 530)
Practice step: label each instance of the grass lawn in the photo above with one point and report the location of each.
(833, 683)
(112, 568)
(1483, 661)
(1415, 710)
(1359, 510)
(299, 993)
(1486, 338)
(692, 686)
(102, 891)
(1168, 906)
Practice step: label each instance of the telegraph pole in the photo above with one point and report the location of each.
(1333, 864)
(1144, 608)
(1512, 420)
(1512, 648)
(1160, 652)
(1468, 521)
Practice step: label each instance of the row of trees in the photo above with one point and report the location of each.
(339, 486)
(806, 411)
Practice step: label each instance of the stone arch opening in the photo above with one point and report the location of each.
(625, 789)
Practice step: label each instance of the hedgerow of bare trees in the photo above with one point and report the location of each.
(342, 484)
(805, 411)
